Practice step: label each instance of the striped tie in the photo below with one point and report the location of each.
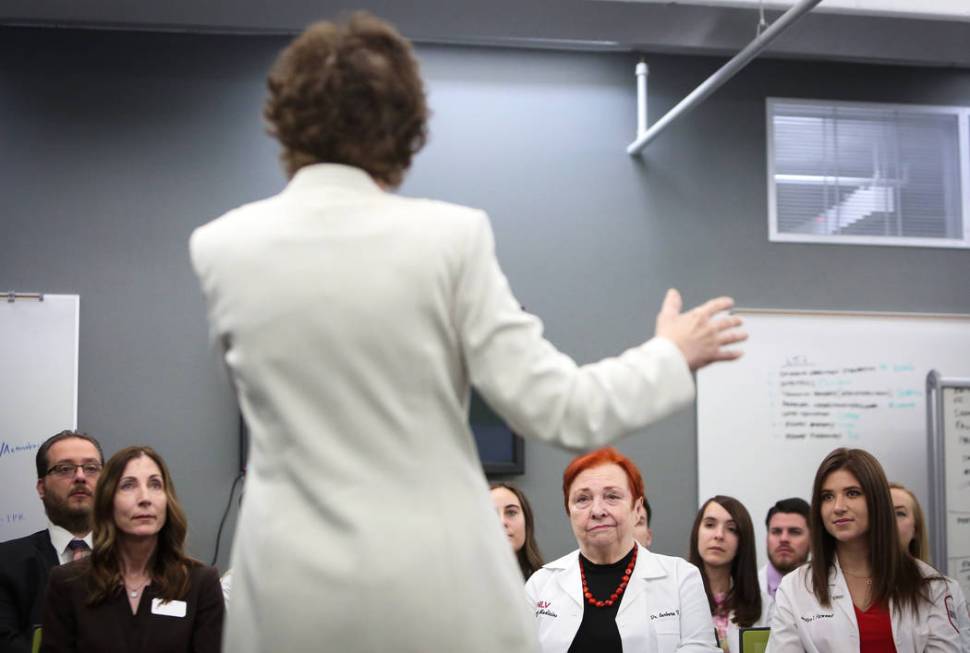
(79, 549)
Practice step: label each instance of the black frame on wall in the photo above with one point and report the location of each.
(500, 449)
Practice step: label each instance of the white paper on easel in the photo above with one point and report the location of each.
(38, 398)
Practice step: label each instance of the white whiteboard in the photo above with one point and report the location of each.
(956, 450)
(811, 382)
(38, 398)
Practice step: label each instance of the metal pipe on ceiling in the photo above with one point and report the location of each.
(723, 74)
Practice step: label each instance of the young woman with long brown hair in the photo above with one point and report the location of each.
(861, 591)
(518, 521)
(722, 547)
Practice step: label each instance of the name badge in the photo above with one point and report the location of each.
(168, 609)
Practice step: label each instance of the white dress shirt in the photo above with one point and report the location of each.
(61, 537)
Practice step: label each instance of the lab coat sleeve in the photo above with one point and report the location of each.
(784, 636)
(962, 614)
(696, 624)
(944, 635)
(540, 391)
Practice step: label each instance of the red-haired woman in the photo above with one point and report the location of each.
(612, 594)
(722, 546)
(137, 591)
(861, 592)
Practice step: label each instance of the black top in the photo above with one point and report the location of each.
(192, 625)
(598, 632)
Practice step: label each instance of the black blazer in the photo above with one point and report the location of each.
(70, 625)
(24, 565)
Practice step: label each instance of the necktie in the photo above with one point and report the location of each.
(79, 549)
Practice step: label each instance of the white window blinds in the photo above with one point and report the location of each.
(868, 173)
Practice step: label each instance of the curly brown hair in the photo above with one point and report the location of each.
(169, 567)
(348, 92)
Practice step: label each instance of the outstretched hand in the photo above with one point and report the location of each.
(700, 336)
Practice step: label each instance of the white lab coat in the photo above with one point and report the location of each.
(354, 321)
(800, 623)
(959, 612)
(734, 631)
(663, 609)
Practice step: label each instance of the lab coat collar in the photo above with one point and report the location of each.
(647, 568)
(571, 583)
(839, 592)
(313, 178)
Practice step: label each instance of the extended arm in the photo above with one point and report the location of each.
(543, 393)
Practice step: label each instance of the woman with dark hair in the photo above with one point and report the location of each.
(722, 546)
(612, 594)
(354, 322)
(137, 591)
(860, 591)
(913, 538)
(516, 516)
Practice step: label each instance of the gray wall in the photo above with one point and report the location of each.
(114, 146)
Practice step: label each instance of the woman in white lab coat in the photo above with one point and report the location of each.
(612, 594)
(722, 546)
(913, 538)
(860, 592)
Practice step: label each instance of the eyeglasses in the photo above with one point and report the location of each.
(66, 470)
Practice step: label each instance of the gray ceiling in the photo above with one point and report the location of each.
(569, 24)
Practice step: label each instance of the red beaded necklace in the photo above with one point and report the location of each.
(617, 593)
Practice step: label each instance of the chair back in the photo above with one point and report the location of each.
(754, 640)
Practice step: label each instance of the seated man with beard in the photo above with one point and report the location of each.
(68, 466)
(788, 545)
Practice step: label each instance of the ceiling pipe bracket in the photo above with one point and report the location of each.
(715, 81)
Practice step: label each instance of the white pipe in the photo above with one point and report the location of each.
(642, 72)
(726, 72)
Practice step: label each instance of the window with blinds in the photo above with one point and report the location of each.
(868, 174)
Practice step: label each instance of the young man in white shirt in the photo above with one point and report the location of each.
(788, 546)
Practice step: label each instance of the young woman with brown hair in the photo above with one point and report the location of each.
(722, 547)
(861, 592)
(518, 521)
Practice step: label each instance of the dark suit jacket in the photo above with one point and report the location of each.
(72, 626)
(24, 565)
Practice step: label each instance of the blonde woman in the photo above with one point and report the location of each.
(913, 538)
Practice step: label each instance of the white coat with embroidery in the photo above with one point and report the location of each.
(801, 623)
(663, 609)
